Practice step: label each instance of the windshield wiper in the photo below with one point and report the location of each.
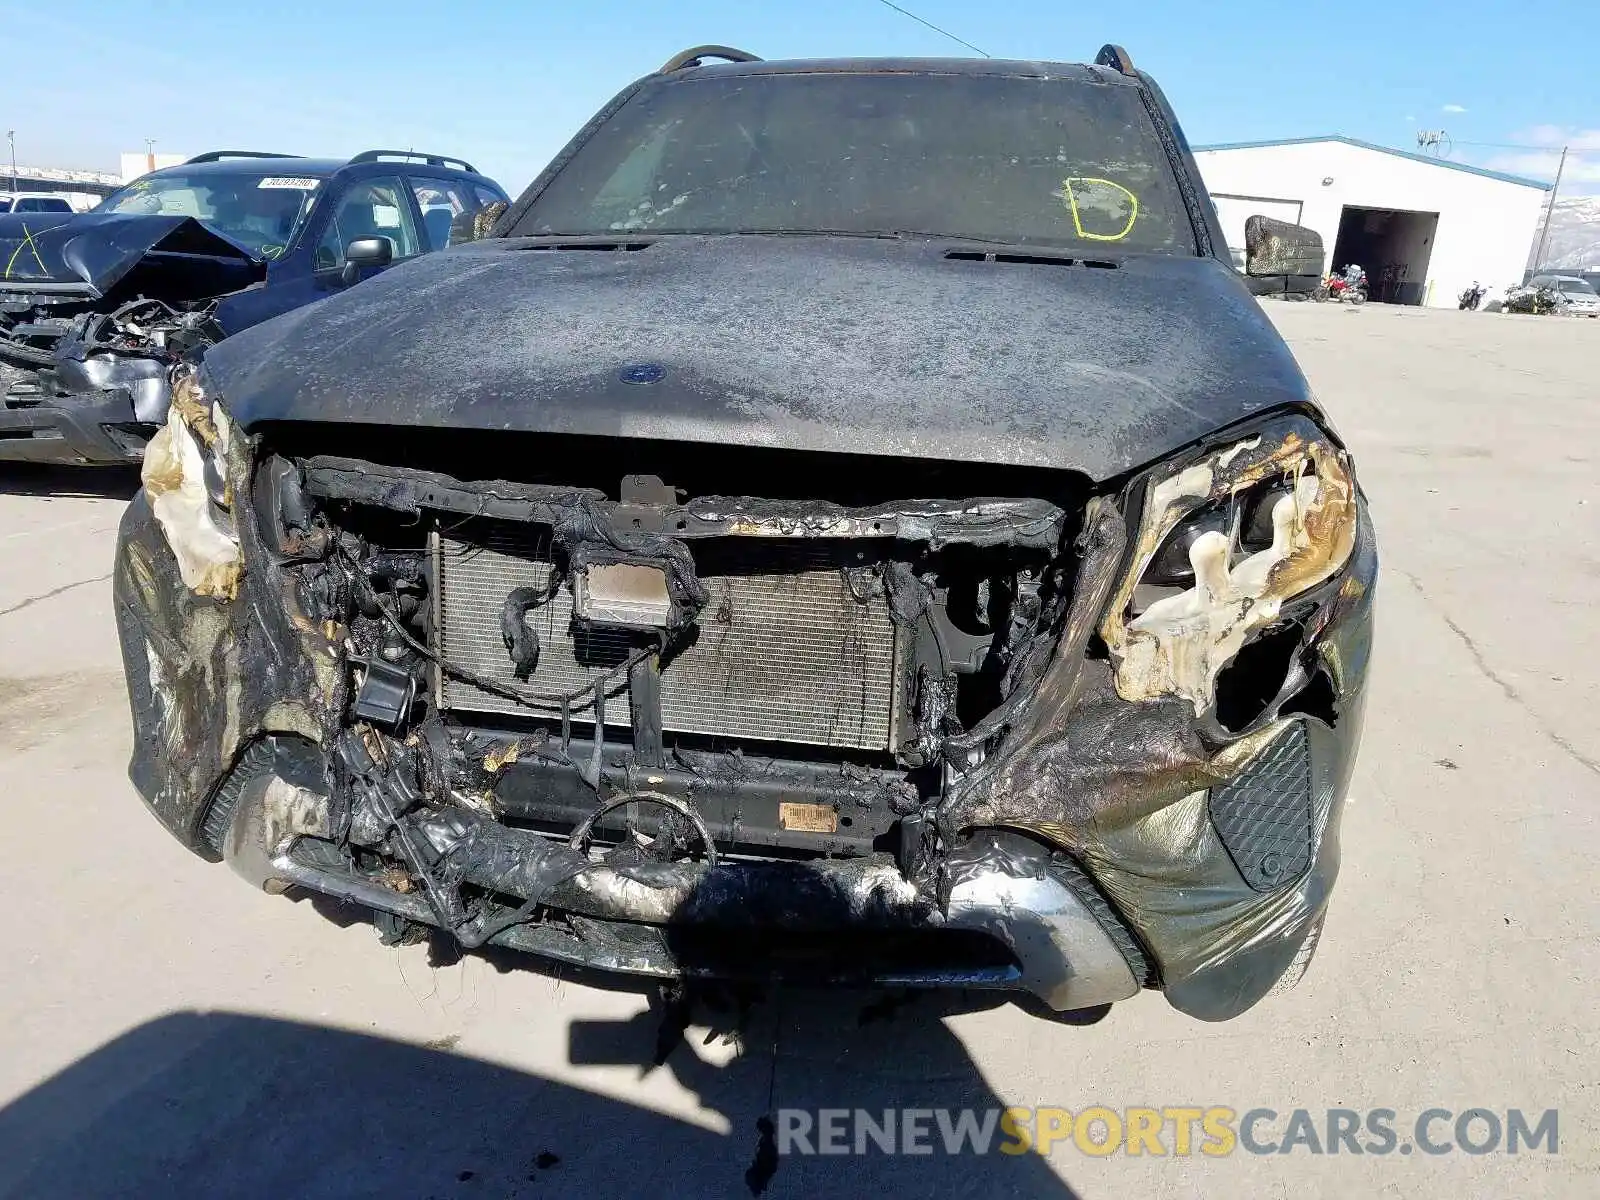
(891, 235)
(780, 231)
(920, 234)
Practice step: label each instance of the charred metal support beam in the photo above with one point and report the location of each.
(644, 704)
(1023, 522)
(743, 799)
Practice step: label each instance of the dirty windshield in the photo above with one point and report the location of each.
(1014, 160)
(260, 212)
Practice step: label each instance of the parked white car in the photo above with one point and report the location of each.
(33, 202)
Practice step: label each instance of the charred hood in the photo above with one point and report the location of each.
(868, 346)
(169, 257)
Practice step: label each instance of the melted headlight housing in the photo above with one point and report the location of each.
(187, 479)
(1260, 521)
(1245, 519)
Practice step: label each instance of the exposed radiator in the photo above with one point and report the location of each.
(787, 657)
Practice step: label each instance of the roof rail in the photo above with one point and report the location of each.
(433, 160)
(691, 58)
(219, 155)
(1116, 57)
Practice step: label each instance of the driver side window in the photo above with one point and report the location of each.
(376, 208)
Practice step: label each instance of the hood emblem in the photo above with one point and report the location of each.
(642, 373)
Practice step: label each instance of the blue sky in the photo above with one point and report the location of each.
(505, 83)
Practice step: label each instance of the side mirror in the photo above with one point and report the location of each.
(1280, 257)
(365, 253)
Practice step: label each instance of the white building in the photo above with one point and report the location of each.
(92, 186)
(141, 162)
(1423, 228)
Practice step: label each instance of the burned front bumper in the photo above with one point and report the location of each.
(1107, 826)
(1017, 918)
(82, 401)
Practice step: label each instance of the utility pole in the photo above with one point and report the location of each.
(149, 155)
(1550, 212)
(11, 136)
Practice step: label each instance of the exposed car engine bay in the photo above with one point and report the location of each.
(631, 721)
(105, 362)
(133, 348)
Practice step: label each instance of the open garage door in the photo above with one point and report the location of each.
(1234, 211)
(1393, 245)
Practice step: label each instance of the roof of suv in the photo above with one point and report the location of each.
(291, 164)
(320, 167)
(907, 66)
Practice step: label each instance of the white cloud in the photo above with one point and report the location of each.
(1556, 136)
(1582, 173)
(1453, 108)
(1542, 164)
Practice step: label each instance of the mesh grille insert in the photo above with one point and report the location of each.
(1263, 814)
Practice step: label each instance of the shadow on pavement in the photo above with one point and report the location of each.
(37, 479)
(444, 952)
(217, 1104)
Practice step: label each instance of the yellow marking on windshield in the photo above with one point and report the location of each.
(1077, 219)
(27, 243)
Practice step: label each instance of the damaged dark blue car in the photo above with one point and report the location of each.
(97, 308)
(847, 521)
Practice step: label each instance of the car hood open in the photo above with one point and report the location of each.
(89, 254)
(829, 344)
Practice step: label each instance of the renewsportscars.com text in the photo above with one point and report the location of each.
(1179, 1131)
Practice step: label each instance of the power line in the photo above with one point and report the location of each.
(1514, 146)
(1439, 141)
(905, 12)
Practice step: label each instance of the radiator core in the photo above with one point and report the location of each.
(784, 651)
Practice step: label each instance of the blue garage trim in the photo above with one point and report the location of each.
(1350, 141)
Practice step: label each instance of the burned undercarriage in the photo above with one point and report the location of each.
(988, 740)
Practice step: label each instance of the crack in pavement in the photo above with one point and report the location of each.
(1504, 685)
(66, 587)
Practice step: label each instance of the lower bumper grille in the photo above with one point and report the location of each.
(788, 655)
(1264, 814)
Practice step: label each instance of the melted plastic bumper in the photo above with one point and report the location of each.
(1058, 949)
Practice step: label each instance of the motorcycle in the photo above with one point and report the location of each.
(1342, 288)
(1535, 301)
(1472, 297)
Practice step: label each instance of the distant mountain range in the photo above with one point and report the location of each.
(1574, 234)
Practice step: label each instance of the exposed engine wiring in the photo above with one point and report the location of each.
(524, 696)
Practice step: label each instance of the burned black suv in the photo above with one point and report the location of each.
(847, 521)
